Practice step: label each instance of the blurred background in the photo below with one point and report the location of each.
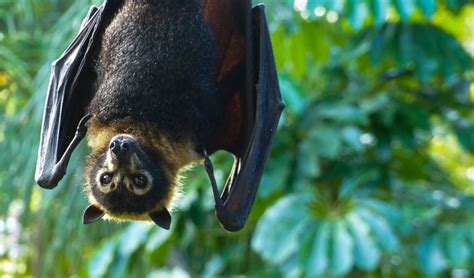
(371, 173)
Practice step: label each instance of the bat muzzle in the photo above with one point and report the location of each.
(120, 145)
(121, 148)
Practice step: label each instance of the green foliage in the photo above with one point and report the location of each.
(371, 173)
(325, 237)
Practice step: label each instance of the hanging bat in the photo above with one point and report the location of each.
(158, 85)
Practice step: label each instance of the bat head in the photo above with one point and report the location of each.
(128, 180)
(133, 170)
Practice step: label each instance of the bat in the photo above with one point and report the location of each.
(156, 86)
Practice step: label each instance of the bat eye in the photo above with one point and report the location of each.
(140, 181)
(105, 178)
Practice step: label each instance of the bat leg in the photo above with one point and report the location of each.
(215, 191)
(59, 170)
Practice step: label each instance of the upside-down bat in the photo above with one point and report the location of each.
(158, 85)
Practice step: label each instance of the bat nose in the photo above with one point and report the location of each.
(120, 145)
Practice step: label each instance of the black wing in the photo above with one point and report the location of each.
(69, 93)
(247, 77)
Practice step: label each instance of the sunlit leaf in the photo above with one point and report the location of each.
(213, 266)
(366, 253)
(291, 95)
(342, 258)
(308, 159)
(427, 6)
(358, 12)
(405, 8)
(276, 174)
(166, 272)
(278, 232)
(101, 261)
(351, 136)
(350, 183)
(157, 238)
(380, 229)
(431, 256)
(379, 9)
(456, 247)
(133, 237)
(316, 260)
(326, 140)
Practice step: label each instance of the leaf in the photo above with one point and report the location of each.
(379, 10)
(452, 4)
(133, 237)
(405, 8)
(342, 259)
(350, 183)
(277, 170)
(429, 52)
(101, 261)
(295, 102)
(335, 5)
(427, 6)
(431, 258)
(326, 140)
(312, 4)
(383, 43)
(383, 208)
(381, 229)
(351, 136)
(340, 112)
(166, 273)
(316, 261)
(157, 238)
(465, 135)
(308, 161)
(277, 236)
(291, 268)
(404, 46)
(298, 64)
(414, 115)
(366, 253)
(455, 246)
(213, 267)
(379, 102)
(358, 12)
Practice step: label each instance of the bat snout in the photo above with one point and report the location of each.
(122, 148)
(120, 145)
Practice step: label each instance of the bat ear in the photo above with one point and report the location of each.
(161, 218)
(92, 214)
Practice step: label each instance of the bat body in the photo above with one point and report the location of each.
(154, 87)
(158, 85)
